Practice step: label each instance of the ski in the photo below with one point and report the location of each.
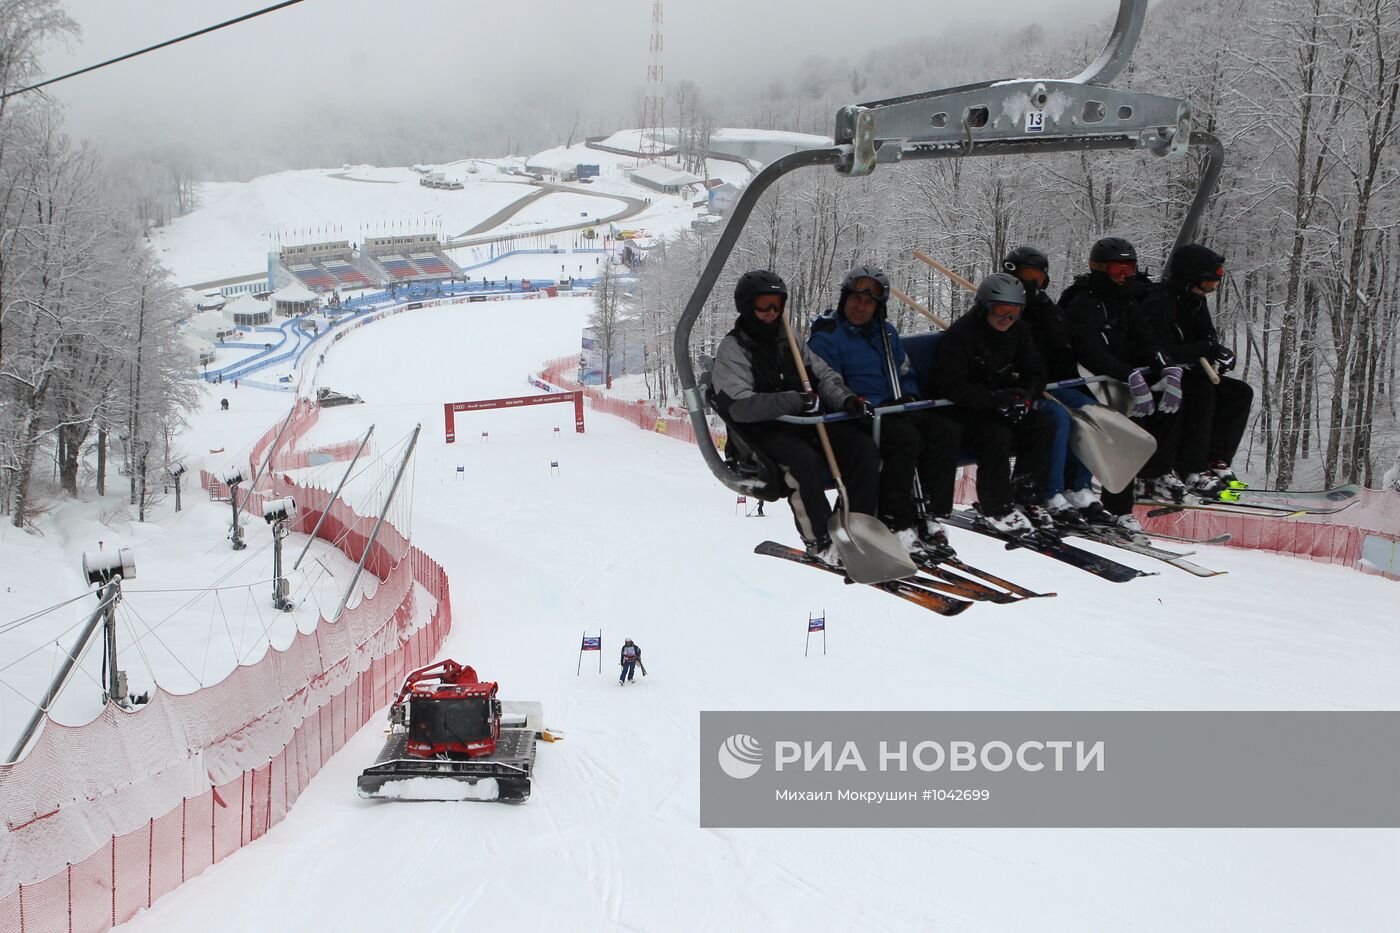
(940, 566)
(1128, 542)
(1218, 539)
(934, 602)
(1159, 507)
(1280, 510)
(1051, 547)
(1249, 495)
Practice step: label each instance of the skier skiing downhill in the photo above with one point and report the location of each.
(755, 382)
(1213, 416)
(630, 657)
(857, 341)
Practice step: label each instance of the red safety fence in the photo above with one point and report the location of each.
(1340, 538)
(104, 818)
(645, 415)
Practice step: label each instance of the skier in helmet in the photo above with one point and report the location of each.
(857, 341)
(755, 381)
(1069, 485)
(1110, 338)
(1213, 417)
(988, 367)
(629, 658)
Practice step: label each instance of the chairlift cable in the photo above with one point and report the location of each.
(151, 48)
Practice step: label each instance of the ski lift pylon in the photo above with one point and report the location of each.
(1003, 117)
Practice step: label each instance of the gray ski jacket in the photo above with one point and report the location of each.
(737, 390)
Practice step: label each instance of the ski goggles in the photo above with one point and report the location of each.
(874, 294)
(1120, 268)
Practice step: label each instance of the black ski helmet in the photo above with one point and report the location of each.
(866, 272)
(1113, 249)
(755, 283)
(1194, 263)
(1026, 256)
(1001, 288)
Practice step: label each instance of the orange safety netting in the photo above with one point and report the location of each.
(102, 819)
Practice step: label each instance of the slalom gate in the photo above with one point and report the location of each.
(103, 819)
(449, 409)
(1365, 536)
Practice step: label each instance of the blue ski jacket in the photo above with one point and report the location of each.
(858, 355)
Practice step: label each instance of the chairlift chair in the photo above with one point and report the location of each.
(1018, 117)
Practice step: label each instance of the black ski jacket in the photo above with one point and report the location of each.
(975, 360)
(1177, 321)
(1108, 337)
(622, 655)
(1050, 330)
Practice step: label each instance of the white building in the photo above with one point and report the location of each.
(664, 179)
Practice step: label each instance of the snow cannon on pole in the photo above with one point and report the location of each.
(452, 738)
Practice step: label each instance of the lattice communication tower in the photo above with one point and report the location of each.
(654, 107)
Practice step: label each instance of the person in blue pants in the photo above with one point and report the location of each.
(1069, 487)
(631, 656)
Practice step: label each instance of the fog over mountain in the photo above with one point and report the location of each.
(331, 81)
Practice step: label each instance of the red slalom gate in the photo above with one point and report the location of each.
(449, 409)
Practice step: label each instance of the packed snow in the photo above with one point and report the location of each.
(630, 535)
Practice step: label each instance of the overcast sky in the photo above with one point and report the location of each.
(333, 48)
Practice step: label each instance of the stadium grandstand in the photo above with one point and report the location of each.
(321, 267)
(413, 258)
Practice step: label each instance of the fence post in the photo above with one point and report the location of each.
(244, 811)
(114, 885)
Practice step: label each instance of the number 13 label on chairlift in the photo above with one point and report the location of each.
(1035, 121)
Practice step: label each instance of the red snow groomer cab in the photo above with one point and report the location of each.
(451, 738)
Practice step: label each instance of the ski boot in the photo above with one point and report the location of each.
(1165, 488)
(1089, 507)
(1233, 484)
(1206, 485)
(1064, 514)
(1011, 523)
(908, 539)
(823, 551)
(1039, 517)
(935, 539)
(1131, 529)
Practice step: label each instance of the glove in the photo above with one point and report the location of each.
(1142, 396)
(1170, 386)
(1224, 358)
(1012, 404)
(811, 404)
(907, 398)
(857, 407)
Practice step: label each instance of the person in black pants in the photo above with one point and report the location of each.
(1213, 417)
(989, 368)
(862, 346)
(755, 381)
(1110, 338)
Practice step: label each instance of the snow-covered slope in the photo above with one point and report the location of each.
(634, 537)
